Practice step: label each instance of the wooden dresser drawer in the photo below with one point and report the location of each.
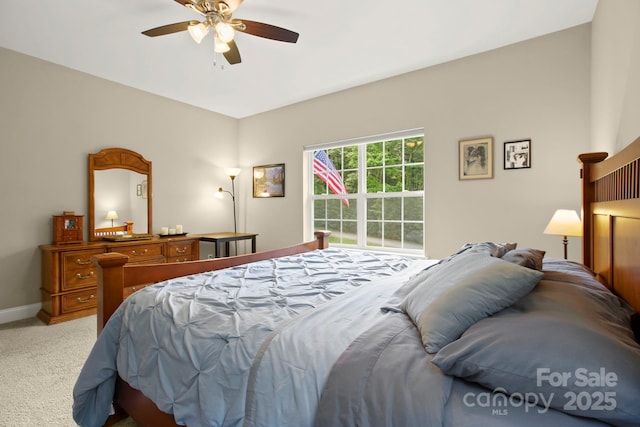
(180, 249)
(180, 258)
(141, 253)
(69, 277)
(78, 270)
(75, 301)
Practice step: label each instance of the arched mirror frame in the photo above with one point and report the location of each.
(117, 158)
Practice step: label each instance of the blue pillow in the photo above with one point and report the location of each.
(468, 288)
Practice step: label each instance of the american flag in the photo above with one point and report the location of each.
(324, 169)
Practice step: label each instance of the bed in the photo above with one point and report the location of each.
(310, 335)
(118, 230)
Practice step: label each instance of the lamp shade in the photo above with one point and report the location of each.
(198, 31)
(565, 222)
(112, 215)
(233, 172)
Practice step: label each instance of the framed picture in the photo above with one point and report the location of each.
(145, 189)
(517, 154)
(476, 158)
(268, 180)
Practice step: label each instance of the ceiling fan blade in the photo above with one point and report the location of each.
(233, 54)
(267, 31)
(191, 5)
(169, 29)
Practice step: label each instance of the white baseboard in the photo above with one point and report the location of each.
(18, 313)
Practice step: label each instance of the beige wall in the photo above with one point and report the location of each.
(537, 89)
(615, 105)
(52, 117)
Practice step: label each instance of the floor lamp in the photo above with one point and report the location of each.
(232, 172)
(564, 223)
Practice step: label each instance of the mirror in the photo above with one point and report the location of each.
(119, 194)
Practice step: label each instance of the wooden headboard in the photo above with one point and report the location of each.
(611, 219)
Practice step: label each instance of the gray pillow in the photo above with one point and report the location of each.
(560, 328)
(494, 249)
(527, 257)
(468, 288)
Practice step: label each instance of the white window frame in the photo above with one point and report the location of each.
(361, 196)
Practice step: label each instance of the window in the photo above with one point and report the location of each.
(383, 207)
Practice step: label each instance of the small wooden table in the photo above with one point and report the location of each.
(226, 237)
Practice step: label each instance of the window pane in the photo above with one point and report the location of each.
(374, 234)
(319, 225)
(374, 180)
(393, 179)
(350, 232)
(319, 186)
(334, 227)
(350, 212)
(374, 209)
(350, 179)
(413, 210)
(351, 157)
(414, 178)
(374, 154)
(335, 154)
(392, 234)
(333, 209)
(414, 150)
(319, 209)
(413, 236)
(393, 152)
(392, 209)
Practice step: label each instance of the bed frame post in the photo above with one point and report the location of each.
(323, 238)
(588, 197)
(110, 272)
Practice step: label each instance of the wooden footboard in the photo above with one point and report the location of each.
(116, 278)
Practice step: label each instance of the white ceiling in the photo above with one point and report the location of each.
(343, 43)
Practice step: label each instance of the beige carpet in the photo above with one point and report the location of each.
(39, 365)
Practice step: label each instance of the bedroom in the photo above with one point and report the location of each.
(50, 125)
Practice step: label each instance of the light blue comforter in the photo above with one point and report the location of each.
(215, 348)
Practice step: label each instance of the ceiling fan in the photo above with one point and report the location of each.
(217, 18)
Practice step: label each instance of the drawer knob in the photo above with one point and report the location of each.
(80, 300)
(134, 253)
(181, 251)
(81, 262)
(85, 276)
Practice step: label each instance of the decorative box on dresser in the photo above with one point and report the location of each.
(69, 276)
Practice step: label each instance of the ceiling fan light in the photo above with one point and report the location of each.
(225, 31)
(220, 46)
(198, 32)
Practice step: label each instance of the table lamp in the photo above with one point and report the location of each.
(112, 215)
(565, 222)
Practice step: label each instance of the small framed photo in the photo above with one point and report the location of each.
(517, 154)
(476, 158)
(268, 180)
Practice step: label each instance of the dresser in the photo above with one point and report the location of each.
(69, 277)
